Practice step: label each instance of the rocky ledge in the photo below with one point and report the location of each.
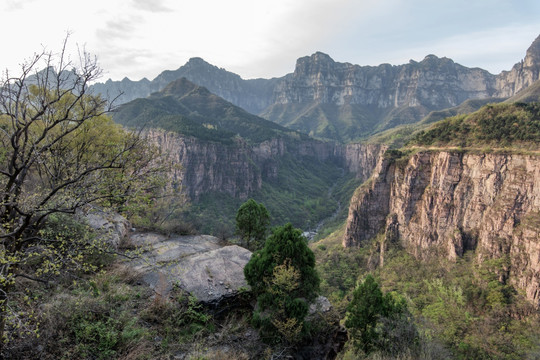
(197, 264)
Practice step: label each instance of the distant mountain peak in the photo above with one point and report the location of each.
(320, 56)
(198, 61)
(318, 62)
(182, 87)
(533, 53)
(431, 57)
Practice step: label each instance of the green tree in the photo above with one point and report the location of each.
(60, 153)
(282, 275)
(252, 221)
(371, 315)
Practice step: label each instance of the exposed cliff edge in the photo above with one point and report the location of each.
(240, 169)
(522, 75)
(442, 203)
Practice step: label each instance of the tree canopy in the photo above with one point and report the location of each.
(371, 315)
(59, 152)
(252, 220)
(283, 277)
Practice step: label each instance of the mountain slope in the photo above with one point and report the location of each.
(192, 110)
(346, 102)
(372, 99)
(253, 95)
(227, 155)
(515, 125)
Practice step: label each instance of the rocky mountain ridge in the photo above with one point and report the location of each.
(342, 101)
(252, 95)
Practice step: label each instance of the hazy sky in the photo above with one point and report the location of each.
(261, 38)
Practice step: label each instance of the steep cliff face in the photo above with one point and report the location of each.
(522, 75)
(361, 159)
(431, 82)
(240, 169)
(208, 166)
(444, 203)
(345, 102)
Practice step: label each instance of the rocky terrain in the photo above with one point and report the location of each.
(218, 148)
(241, 169)
(199, 265)
(443, 203)
(342, 101)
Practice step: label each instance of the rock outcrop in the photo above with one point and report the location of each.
(240, 169)
(522, 75)
(199, 265)
(444, 203)
(433, 82)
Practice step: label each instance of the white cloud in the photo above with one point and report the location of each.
(152, 6)
(138, 38)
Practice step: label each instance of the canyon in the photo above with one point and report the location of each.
(437, 203)
(239, 170)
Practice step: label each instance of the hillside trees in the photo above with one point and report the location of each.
(282, 275)
(378, 322)
(252, 221)
(59, 152)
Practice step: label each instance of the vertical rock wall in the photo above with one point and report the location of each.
(445, 203)
(240, 169)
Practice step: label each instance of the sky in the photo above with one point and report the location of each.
(262, 38)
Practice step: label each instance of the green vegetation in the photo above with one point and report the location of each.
(378, 322)
(460, 309)
(345, 123)
(283, 278)
(299, 194)
(252, 221)
(60, 153)
(341, 191)
(191, 110)
(111, 315)
(503, 125)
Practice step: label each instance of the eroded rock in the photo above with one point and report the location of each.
(198, 264)
(445, 203)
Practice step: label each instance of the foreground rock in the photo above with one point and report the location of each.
(197, 264)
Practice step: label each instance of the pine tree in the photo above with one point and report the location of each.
(282, 275)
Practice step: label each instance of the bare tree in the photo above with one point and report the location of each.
(59, 151)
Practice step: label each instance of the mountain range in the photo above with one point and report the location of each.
(470, 185)
(345, 102)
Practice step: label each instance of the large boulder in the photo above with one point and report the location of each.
(197, 264)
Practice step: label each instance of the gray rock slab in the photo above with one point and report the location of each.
(197, 264)
(214, 275)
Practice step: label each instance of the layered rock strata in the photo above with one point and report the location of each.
(240, 169)
(445, 203)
